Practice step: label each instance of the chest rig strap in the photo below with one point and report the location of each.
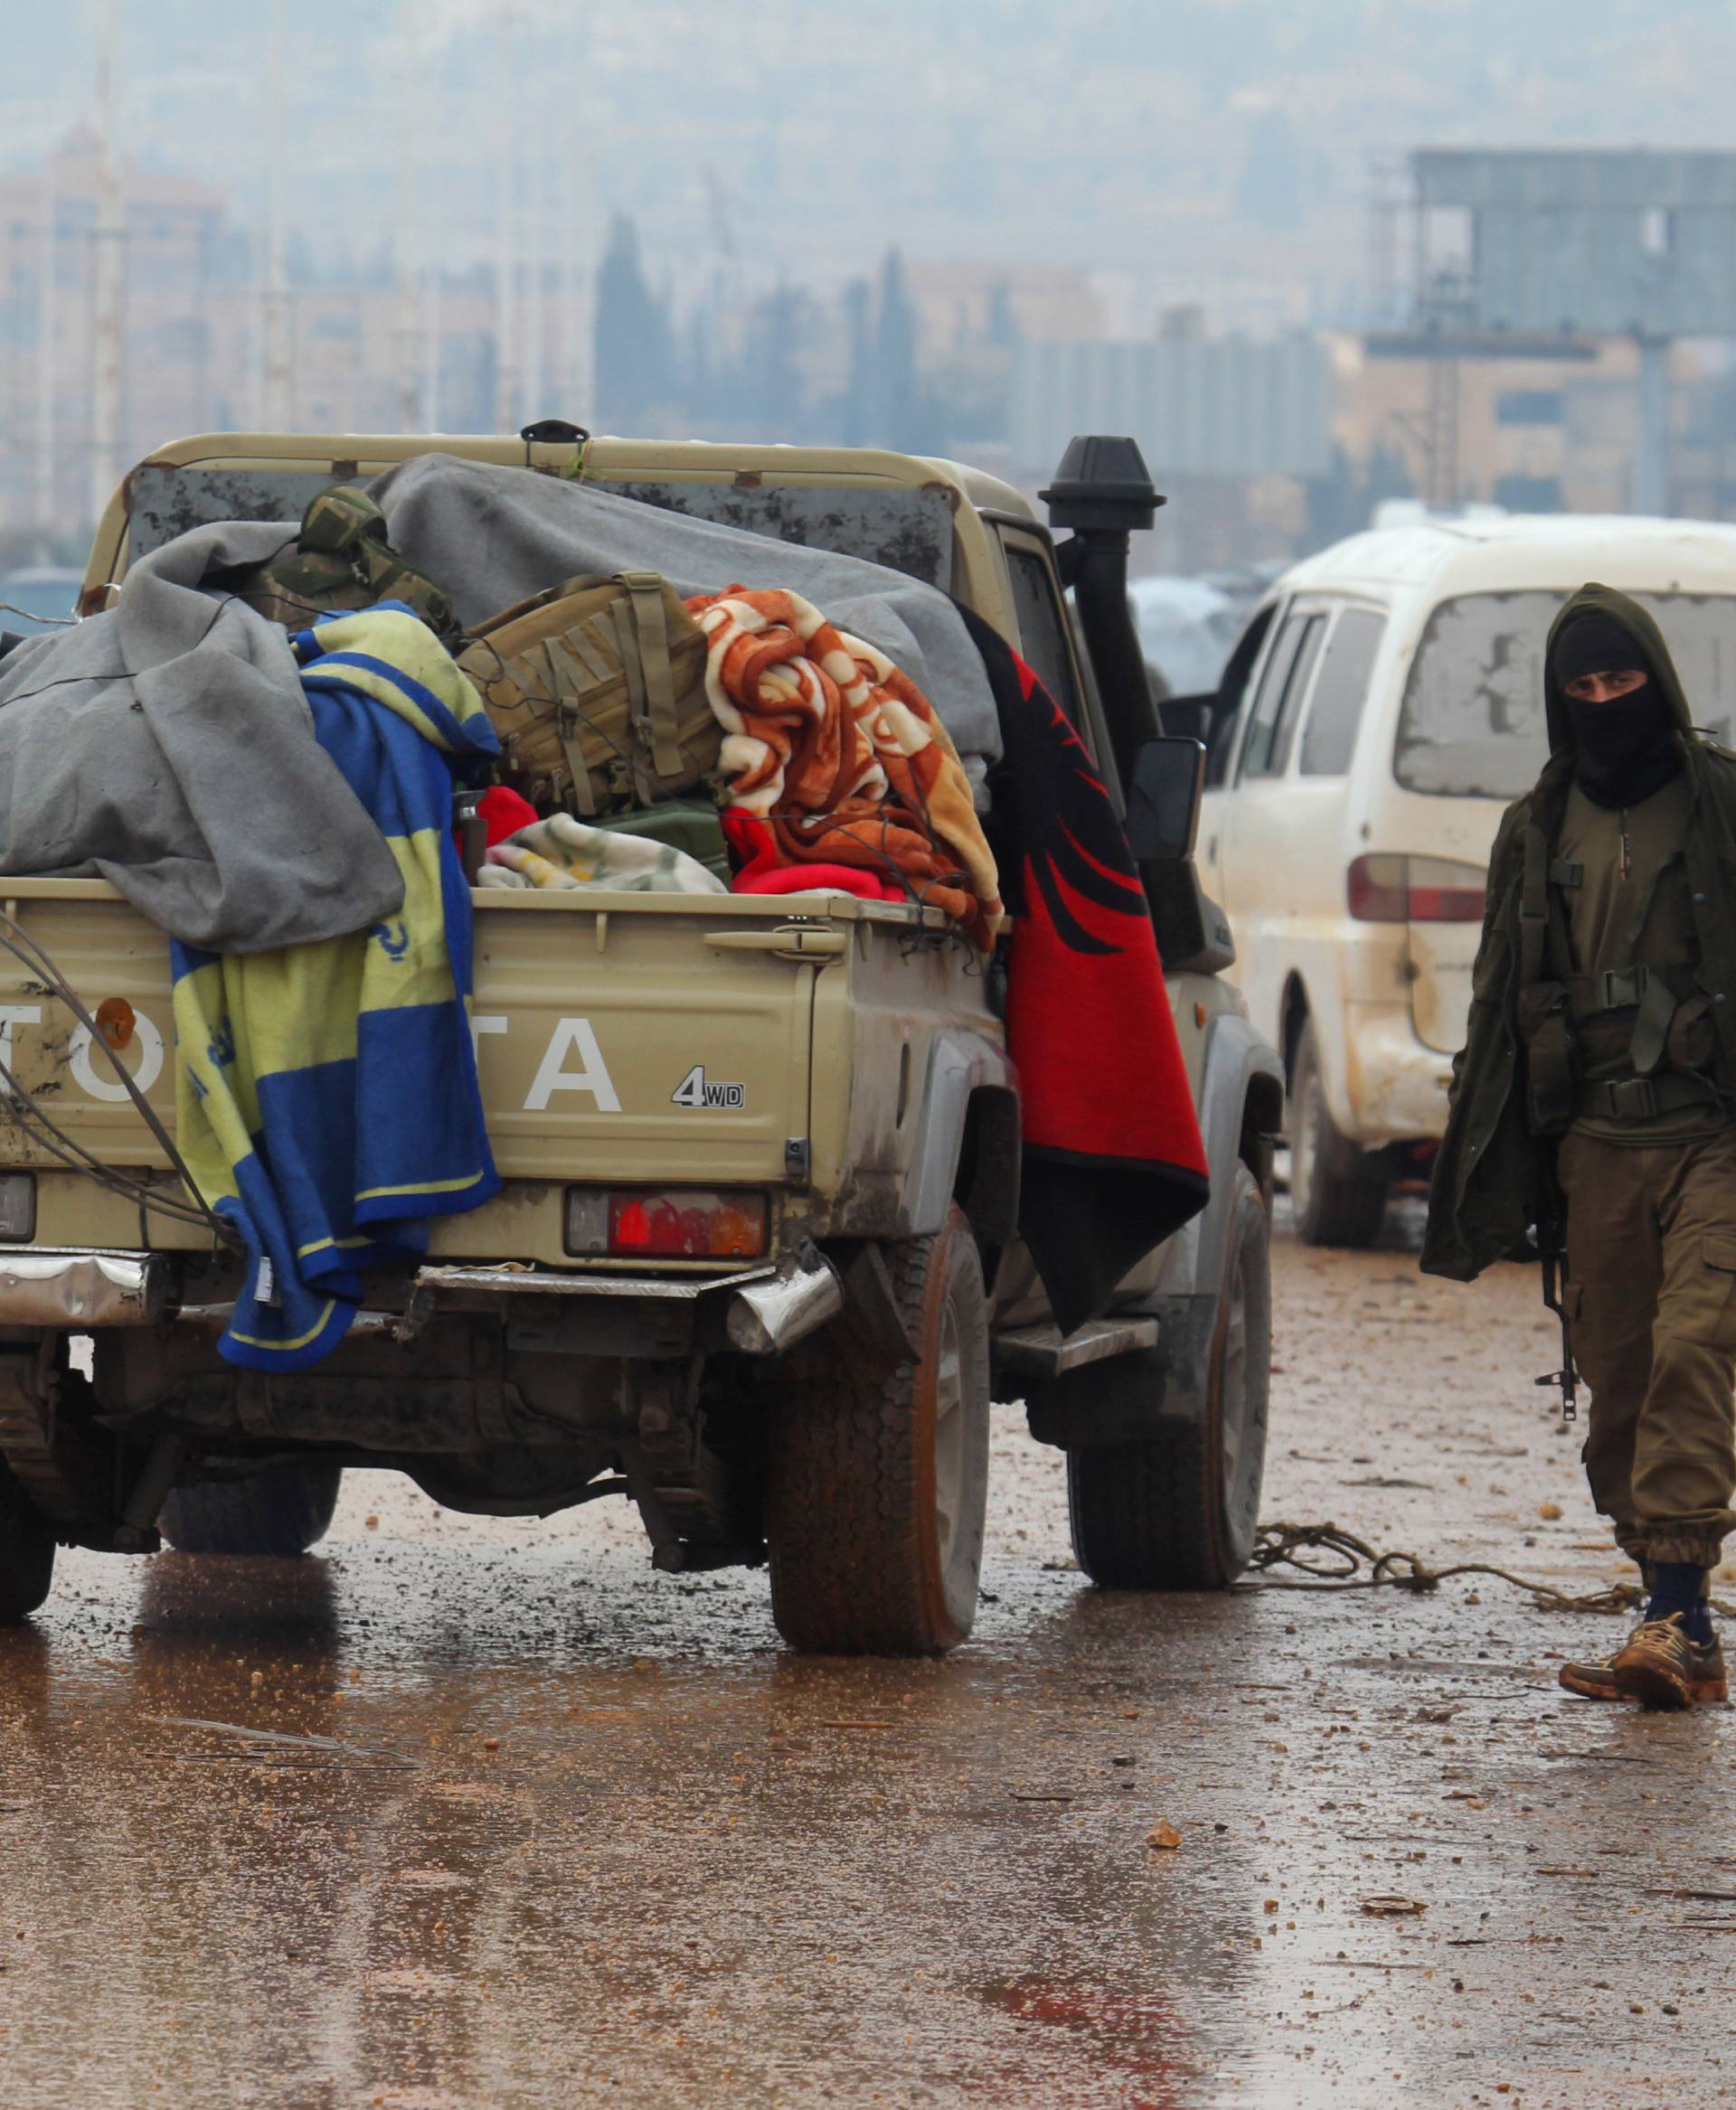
(1544, 1011)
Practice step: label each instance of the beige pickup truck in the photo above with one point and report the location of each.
(821, 1087)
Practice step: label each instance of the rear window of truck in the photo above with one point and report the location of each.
(1472, 723)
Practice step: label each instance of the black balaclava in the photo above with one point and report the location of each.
(1626, 749)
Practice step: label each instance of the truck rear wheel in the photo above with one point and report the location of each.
(281, 1512)
(1335, 1197)
(1179, 1512)
(878, 1479)
(26, 1552)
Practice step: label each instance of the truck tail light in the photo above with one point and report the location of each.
(666, 1223)
(1385, 889)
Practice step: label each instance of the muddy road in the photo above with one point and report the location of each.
(460, 1813)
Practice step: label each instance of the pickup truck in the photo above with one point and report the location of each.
(755, 1265)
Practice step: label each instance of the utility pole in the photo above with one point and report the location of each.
(408, 245)
(275, 406)
(533, 401)
(429, 401)
(47, 305)
(577, 252)
(106, 278)
(508, 382)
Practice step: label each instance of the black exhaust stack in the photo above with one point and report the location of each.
(1102, 492)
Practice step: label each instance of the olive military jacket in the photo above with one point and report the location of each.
(1493, 1178)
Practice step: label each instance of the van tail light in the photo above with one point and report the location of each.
(666, 1223)
(1385, 889)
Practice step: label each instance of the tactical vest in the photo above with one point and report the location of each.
(597, 690)
(342, 560)
(1644, 1016)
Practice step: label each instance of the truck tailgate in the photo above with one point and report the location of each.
(663, 1035)
(632, 1036)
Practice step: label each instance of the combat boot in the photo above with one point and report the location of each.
(1657, 1666)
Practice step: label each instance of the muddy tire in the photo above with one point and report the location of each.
(282, 1512)
(1336, 1199)
(26, 1552)
(877, 1481)
(1179, 1512)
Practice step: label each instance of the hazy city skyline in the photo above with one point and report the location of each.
(967, 235)
(1220, 151)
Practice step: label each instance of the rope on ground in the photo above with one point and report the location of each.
(1281, 1545)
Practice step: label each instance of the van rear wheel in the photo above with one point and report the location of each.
(281, 1513)
(1336, 1198)
(878, 1479)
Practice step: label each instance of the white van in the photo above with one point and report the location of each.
(1382, 707)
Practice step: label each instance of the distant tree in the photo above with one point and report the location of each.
(897, 406)
(773, 395)
(635, 343)
(859, 408)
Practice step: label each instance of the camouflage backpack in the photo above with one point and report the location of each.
(341, 560)
(597, 689)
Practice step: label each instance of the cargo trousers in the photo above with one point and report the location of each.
(1651, 1305)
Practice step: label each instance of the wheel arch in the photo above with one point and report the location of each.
(1263, 1122)
(986, 1183)
(1241, 1106)
(966, 1143)
(1241, 1093)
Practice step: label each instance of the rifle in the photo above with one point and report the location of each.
(1552, 1247)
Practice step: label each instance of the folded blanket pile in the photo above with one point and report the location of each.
(842, 755)
(165, 746)
(563, 853)
(326, 1099)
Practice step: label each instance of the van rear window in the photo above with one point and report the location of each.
(1472, 723)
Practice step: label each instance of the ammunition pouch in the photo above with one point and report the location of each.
(1551, 1081)
(1649, 1020)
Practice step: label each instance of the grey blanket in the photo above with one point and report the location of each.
(167, 746)
(492, 536)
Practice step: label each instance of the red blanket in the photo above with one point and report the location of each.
(1113, 1159)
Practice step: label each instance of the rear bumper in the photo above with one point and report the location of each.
(82, 1289)
(1396, 1088)
(763, 1311)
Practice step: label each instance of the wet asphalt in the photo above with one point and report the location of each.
(458, 1812)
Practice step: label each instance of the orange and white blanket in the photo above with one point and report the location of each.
(841, 754)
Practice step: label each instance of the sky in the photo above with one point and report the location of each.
(1209, 150)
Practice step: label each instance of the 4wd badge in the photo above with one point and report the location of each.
(696, 1089)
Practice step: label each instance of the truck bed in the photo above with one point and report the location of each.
(621, 1037)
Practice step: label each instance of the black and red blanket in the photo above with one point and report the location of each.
(1113, 1159)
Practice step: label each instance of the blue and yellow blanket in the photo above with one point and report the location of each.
(325, 1095)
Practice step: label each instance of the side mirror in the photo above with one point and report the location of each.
(1163, 799)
